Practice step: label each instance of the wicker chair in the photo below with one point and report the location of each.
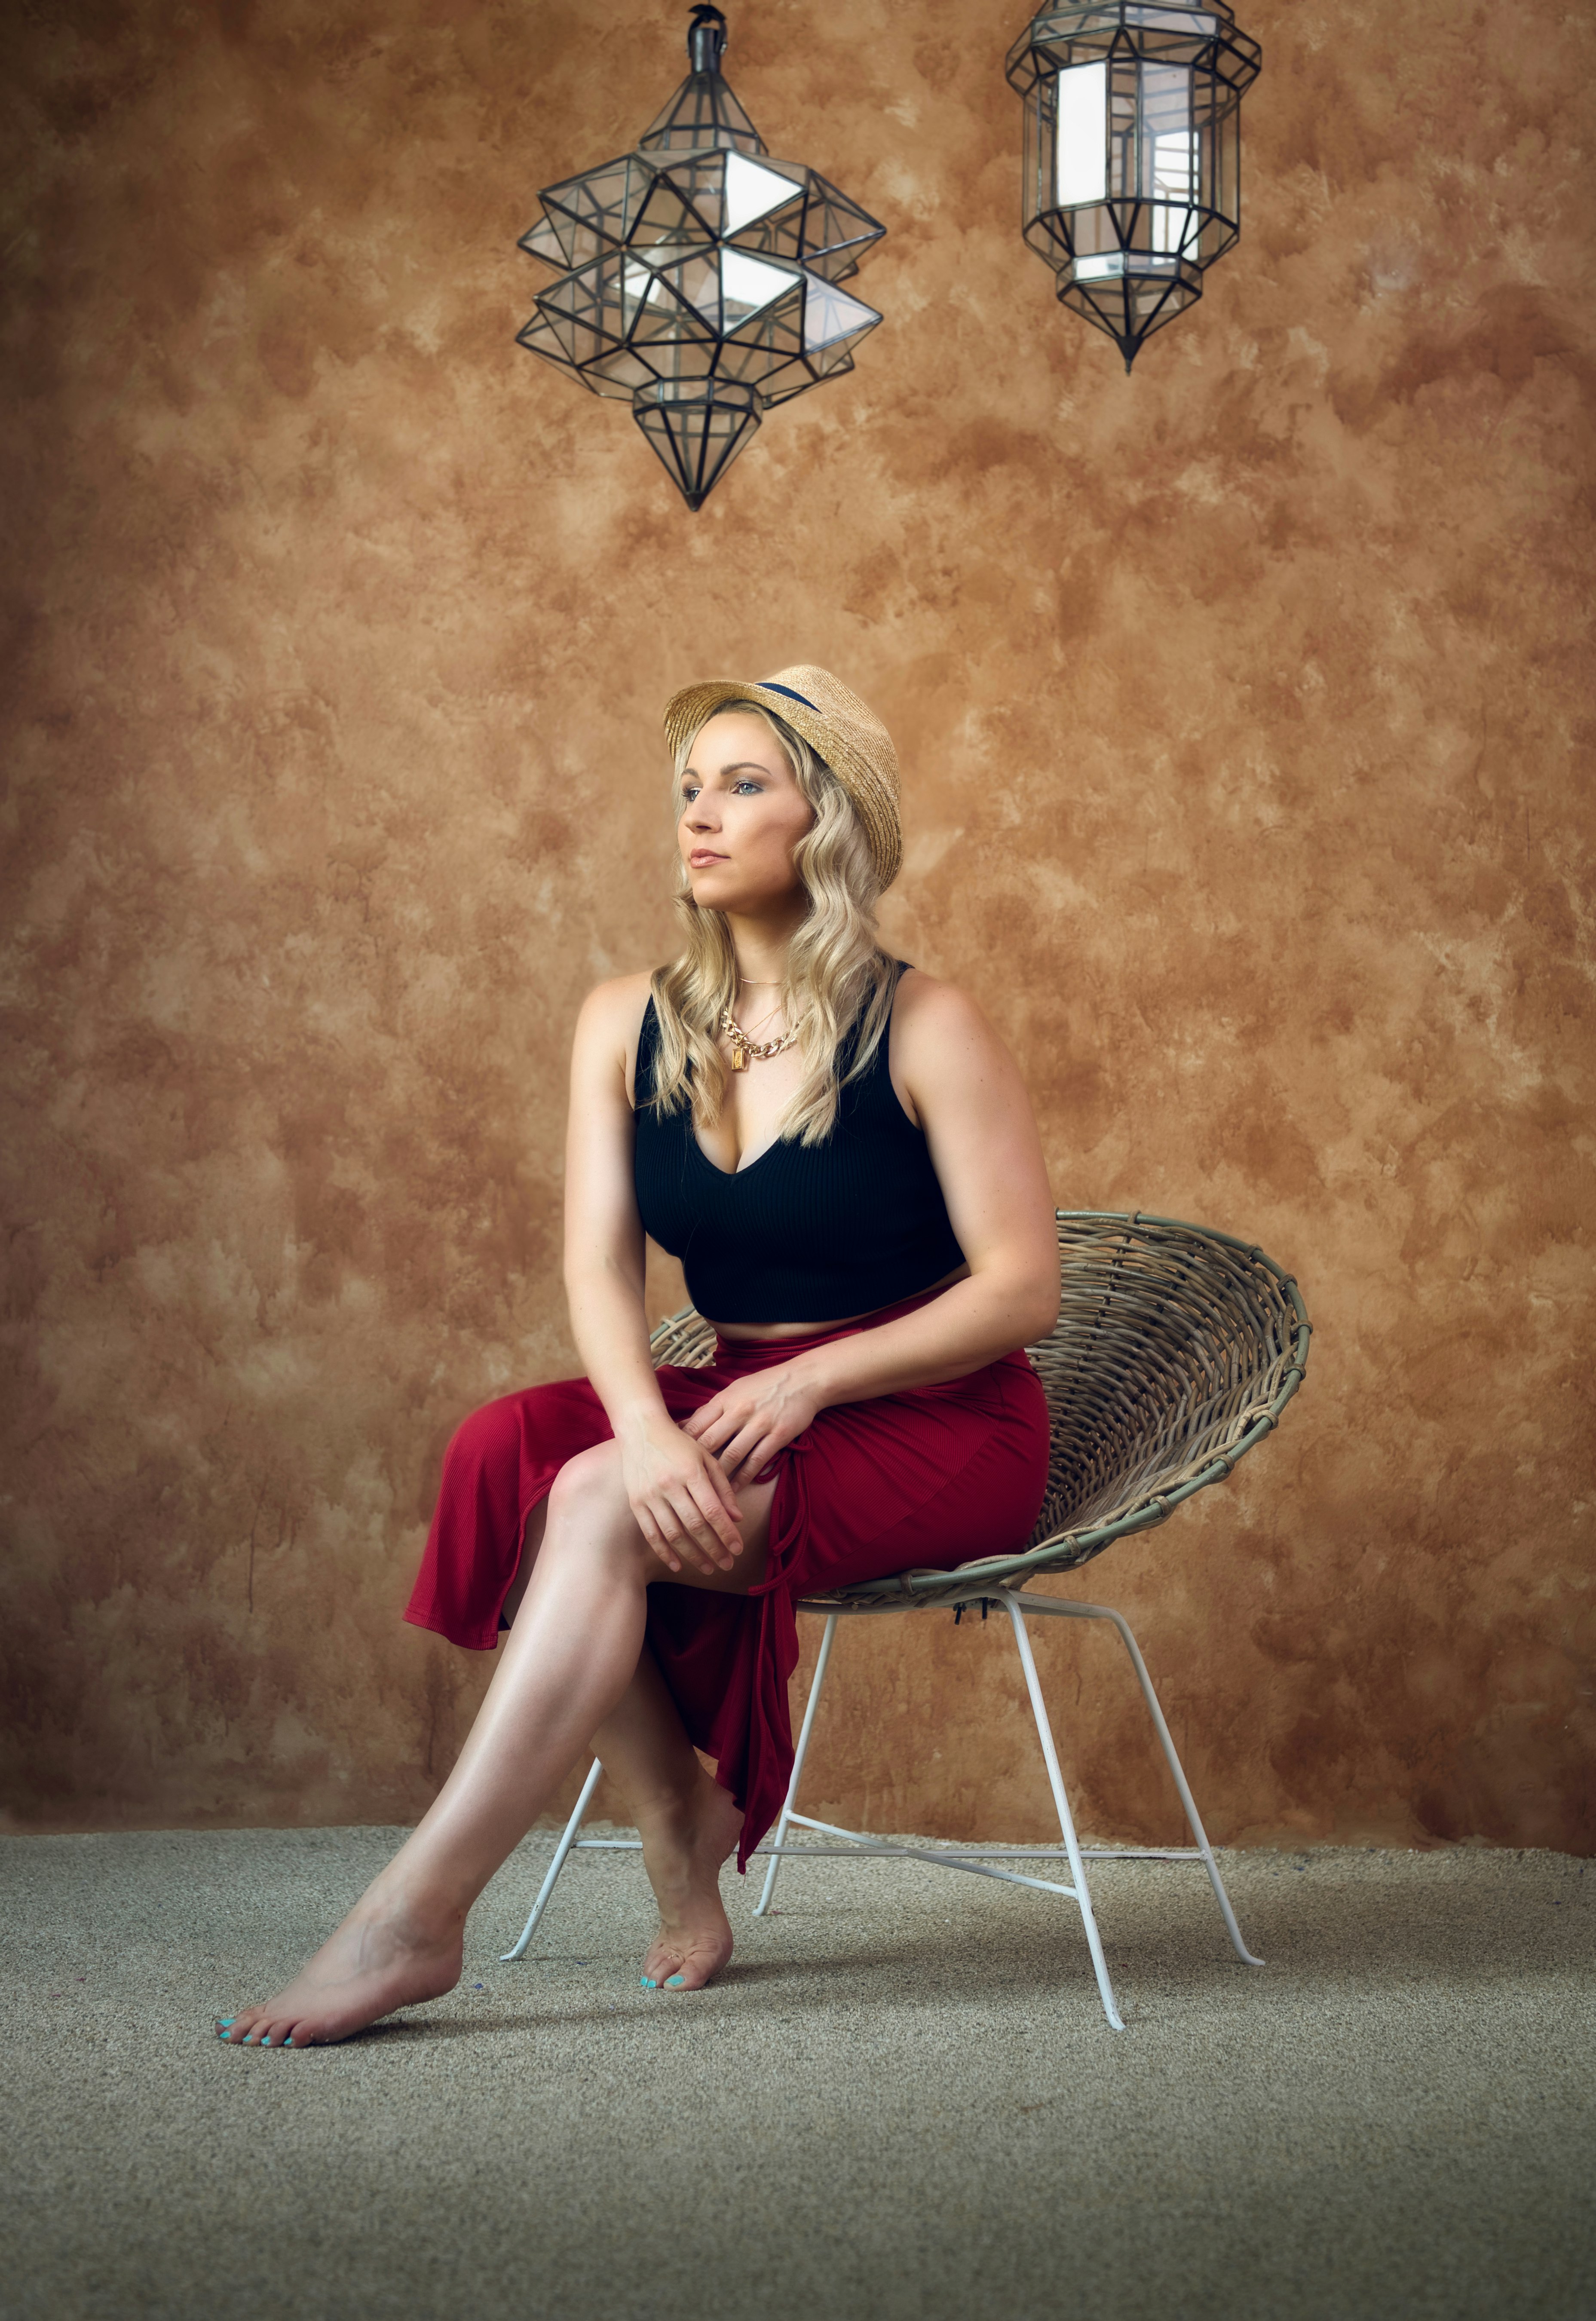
(1176, 1350)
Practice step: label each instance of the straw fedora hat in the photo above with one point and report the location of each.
(837, 725)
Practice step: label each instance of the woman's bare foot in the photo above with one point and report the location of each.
(684, 1845)
(381, 1957)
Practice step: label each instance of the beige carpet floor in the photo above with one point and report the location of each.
(901, 2101)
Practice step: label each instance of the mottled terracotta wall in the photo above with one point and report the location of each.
(1240, 702)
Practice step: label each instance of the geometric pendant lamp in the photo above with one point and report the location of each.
(1133, 153)
(698, 278)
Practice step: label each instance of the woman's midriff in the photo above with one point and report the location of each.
(795, 1334)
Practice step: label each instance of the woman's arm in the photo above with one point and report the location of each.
(684, 1506)
(968, 1095)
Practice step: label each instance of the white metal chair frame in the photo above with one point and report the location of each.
(1176, 1350)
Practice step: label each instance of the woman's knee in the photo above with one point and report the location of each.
(589, 1488)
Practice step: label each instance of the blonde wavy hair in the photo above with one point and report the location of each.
(837, 974)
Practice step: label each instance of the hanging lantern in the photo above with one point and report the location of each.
(1133, 154)
(699, 277)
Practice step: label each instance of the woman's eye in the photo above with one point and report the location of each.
(689, 791)
(752, 789)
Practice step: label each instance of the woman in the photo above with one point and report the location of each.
(841, 1152)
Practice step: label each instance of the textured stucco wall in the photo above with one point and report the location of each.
(1240, 704)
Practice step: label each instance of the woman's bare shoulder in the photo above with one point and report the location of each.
(941, 1041)
(616, 1006)
(928, 1009)
(608, 1029)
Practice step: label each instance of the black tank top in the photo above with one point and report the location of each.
(806, 1233)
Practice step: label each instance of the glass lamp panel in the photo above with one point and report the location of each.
(669, 215)
(1049, 235)
(597, 204)
(540, 337)
(703, 111)
(833, 230)
(1224, 191)
(1080, 161)
(638, 285)
(776, 335)
(1036, 179)
(830, 315)
(698, 282)
(660, 282)
(789, 380)
(687, 367)
(697, 435)
(700, 179)
(1193, 23)
(1093, 231)
(752, 363)
(751, 192)
(1124, 114)
(579, 341)
(582, 300)
(1169, 155)
(620, 373)
(541, 241)
(748, 283)
(779, 236)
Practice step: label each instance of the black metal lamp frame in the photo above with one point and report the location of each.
(1133, 153)
(700, 276)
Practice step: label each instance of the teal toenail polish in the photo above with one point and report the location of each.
(674, 1981)
(647, 1983)
(289, 2039)
(228, 2021)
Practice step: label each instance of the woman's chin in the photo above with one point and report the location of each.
(712, 890)
(745, 897)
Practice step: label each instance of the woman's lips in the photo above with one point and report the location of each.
(701, 857)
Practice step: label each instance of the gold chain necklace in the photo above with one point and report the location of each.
(743, 1049)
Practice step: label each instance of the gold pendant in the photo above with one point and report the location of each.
(739, 1058)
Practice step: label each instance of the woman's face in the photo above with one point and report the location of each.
(743, 814)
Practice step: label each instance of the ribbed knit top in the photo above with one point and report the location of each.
(808, 1232)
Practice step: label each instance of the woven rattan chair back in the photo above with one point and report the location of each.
(1176, 1350)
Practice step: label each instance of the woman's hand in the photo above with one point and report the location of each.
(679, 1495)
(748, 1422)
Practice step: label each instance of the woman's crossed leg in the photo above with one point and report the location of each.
(574, 1666)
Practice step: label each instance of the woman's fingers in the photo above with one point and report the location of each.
(678, 1512)
(677, 1539)
(714, 1533)
(656, 1538)
(719, 1476)
(751, 1449)
(696, 1517)
(712, 1427)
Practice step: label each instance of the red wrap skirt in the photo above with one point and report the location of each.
(931, 1478)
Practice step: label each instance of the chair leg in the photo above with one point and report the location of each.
(1066, 1608)
(1189, 1803)
(764, 1904)
(1061, 1801)
(568, 1839)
